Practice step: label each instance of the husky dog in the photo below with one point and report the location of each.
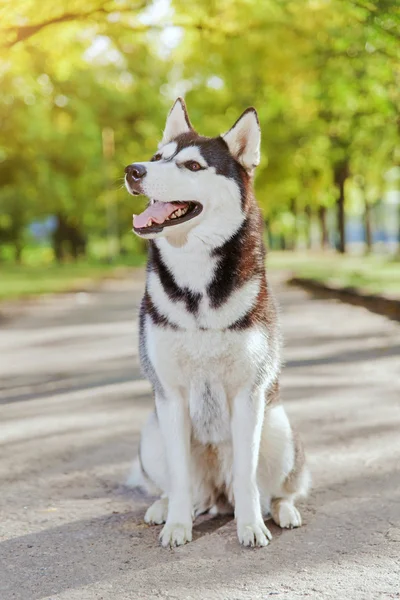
(218, 440)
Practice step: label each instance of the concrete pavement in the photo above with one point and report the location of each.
(72, 402)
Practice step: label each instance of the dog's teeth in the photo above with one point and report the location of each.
(149, 223)
(179, 213)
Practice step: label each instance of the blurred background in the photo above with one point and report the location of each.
(85, 88)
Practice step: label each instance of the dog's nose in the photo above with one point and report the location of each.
(135, 172)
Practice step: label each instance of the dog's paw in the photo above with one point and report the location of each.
(253, 534)
(288, 515)
(176, 534)
(157, 512)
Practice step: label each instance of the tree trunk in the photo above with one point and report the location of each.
(17, 251)
(58, 239)
(323, 227)
(77, 241)
(368, 228)
(341, 173)
(308, 213)
(341, 244)
(294, 211)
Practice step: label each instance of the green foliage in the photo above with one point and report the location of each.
(323, 74)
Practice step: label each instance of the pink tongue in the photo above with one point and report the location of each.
(158, 212)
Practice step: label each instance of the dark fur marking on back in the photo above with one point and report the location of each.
(225, 277)
(171, 288)
(239, 259)
(154, 314)
(263, 311)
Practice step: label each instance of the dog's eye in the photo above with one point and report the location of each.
(193, 165)
(156, 157)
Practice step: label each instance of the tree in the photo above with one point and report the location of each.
(323, 77)
(323, 88)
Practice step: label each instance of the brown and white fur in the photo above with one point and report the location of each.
(218, 439)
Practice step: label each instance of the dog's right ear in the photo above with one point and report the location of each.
(177, 122)
(243, 139)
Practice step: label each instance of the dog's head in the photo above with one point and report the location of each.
(196, 184)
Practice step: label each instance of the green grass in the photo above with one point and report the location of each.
(371, 274)
(19, 281)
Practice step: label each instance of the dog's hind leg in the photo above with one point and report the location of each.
(152, 459)
(157, 513)
(282, 474)
(295, 485)
(285, 513)
(151, 470)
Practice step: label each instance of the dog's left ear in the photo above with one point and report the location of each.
(177, 122)
(244, 138)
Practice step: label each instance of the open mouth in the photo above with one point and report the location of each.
(164, 214)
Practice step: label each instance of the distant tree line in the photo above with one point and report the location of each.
(324, 77)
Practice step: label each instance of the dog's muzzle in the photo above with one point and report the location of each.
(134, 175)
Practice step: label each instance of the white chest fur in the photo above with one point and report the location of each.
(193, 267)
(206, 369)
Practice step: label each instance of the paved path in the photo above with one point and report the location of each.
(72, 402)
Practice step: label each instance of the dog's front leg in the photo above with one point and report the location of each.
(247, 421)
(174, 421)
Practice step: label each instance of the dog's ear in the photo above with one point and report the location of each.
(244, 138)
(177, 121)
